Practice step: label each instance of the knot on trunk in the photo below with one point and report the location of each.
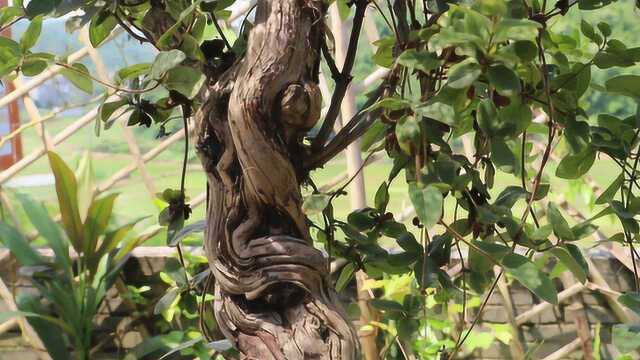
(300, 106)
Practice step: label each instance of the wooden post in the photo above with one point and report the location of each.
(357, 189)
(580, 318)
(12, 152)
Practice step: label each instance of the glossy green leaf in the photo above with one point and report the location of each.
(573, 260)
(79, 77)
(165, 61)
(315, 203)
(40, 7)
(19, 246)
(463, 74)
(31, 35)
(133, 71)
(626, 337)
(505, 80)
(628, 85)
(526, 272)
(345, 276)
(408, 133)
(560, 226)
(47, 228)
(631, 300)
(185, 80)
(108, 108)
(427, 202)
(419, 60)
(575, 166)
(67, 192)
(611, 191)
(100, 27)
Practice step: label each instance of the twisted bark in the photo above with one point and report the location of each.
(274, 299)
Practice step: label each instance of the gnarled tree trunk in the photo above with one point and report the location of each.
(274, 299)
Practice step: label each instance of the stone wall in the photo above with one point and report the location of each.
(542, 335)
(556, 327)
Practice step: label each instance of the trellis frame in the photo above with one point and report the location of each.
(354, 161)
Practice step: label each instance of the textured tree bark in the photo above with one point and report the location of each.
(274, 299)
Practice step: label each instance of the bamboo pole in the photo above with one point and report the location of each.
(539, 308)
(580, 318)
(36, 117)
(564, 351)
(516, 347)
(127, 132)
(49, 73)
(148, 156)
(357, 189)
(27, 331)
(38, 153)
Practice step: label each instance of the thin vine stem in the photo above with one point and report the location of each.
(114, 87)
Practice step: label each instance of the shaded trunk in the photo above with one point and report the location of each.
(274, 299)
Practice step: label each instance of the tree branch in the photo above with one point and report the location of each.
(344, 78)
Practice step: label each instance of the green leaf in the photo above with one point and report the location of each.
(67, 192)
(628, 85)
(40, 7)
(516, 29)
(575, 166)
(438, 111)
(420, 60)
(408, 133)
(315, 203)
(345, 276)
(100, 27)
(47, 228)
(631, 300)
(588, 31)
(31, 35)
(98, 217)
(464, 73)
(363, 219)
(626, 337)
(19, 246)
(505, 80)
(576, 266)
(376, 133)
(165, 40)
(560, 226)
(578, 136)
(604, 28)
(133, 71)
(381, 199)
(611, 191)
(10, 55)
(107, 109)
(9, 314)
(190, 229)
(79, 77)
(165, 61)
(502, 156)
(526, 50)
(428, 203)
(486, 114)
(526, 272)
(409, 243)
(185, 80)
(33, 65)
(390, 103)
